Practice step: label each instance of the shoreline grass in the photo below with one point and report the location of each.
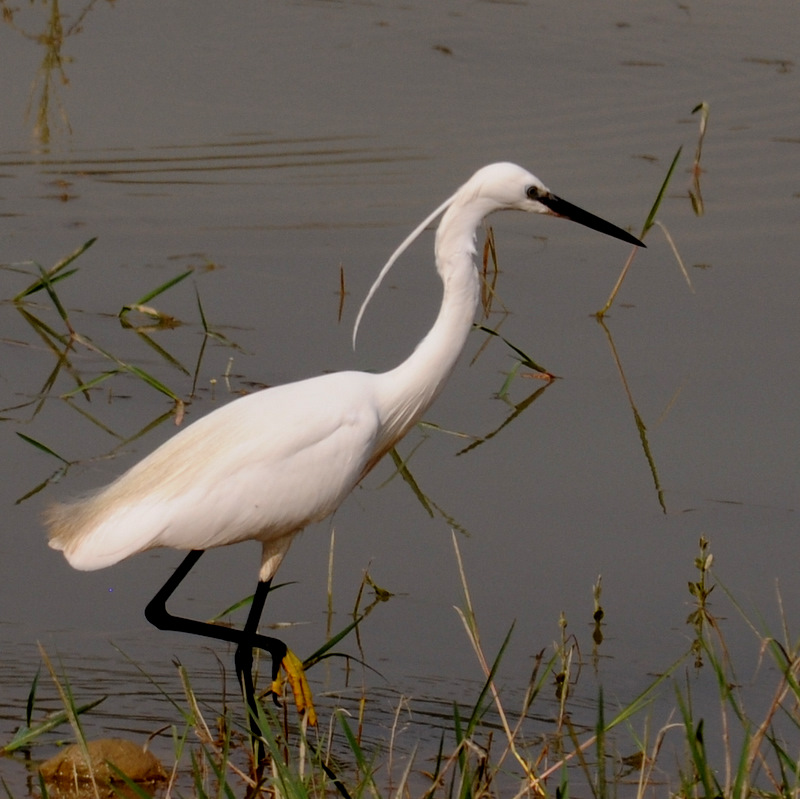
(689, 733)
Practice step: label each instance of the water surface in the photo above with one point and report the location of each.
(269, 148)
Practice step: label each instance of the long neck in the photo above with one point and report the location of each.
(407, 391)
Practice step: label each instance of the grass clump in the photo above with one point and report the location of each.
(81, 366)
(553, 740)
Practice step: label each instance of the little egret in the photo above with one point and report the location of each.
(266, 465)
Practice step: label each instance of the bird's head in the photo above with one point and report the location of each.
(503, 186)
(497, 187)
(506, 186)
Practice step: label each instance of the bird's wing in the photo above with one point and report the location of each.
(261, 467)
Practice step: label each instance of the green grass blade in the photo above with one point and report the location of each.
(510, 377)
(56, 273)
(54, 298)
(207, 328)
(45, 793)
(601, 745)
(479, 708)
(65, 262)
(160, 351)
(694, 736)
(200, 310)
(40, 284)
(132, 789)
(245, 602)
(38, 444)
(32, 697)
(95, 381)
(649, 222)
(152, 381)
(44, 331)
(219, 765)
(364, 766)
(197, 774)
(323, 651)
(134, 370)
(408, 478)
(523, 356)
(660, 196)
(517, 409)
(25, 736)
(645, 697)
(155, 292)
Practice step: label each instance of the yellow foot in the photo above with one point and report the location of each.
(296, 676)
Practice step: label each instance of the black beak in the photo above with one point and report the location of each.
(559, 207)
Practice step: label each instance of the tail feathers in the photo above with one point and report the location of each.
(88, 541)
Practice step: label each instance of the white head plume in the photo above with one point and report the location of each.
(395, 255)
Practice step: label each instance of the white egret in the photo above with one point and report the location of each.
(266, 465)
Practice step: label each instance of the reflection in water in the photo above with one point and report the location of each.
(694, 192)
(44, 99)
(516, 410)
(637, 418)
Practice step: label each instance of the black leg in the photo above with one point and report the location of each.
(244, 651)
(244, 661)
(157, 614)
(246, 639)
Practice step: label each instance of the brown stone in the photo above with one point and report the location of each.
(70, 764)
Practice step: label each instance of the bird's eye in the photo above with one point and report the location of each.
(533, 192)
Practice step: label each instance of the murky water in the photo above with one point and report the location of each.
(272, 148)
